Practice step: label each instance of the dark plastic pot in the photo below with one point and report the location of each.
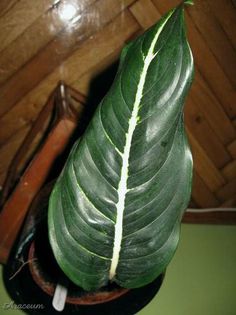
(34, 283)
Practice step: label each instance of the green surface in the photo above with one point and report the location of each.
(201, 279)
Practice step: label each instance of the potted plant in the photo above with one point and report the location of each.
(115, 211)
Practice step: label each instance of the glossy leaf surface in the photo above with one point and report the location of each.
(115, 211)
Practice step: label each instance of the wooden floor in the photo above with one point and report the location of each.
(43, 41)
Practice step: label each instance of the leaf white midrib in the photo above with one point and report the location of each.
(122, 187)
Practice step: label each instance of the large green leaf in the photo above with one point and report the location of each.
(115, 210)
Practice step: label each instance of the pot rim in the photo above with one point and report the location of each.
(89, 298)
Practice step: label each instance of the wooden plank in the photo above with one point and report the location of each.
(204, 166)
(228, 191)
(20, 16)
(145, 13)
(107, 41)
(215, 37)
(200, 129)
(168, 5)
(207, 103)
(232, 149)
(211, 217)
(6, 5)
(229, 203)
(202, 194)
(46, 61)
(226, 14)
(27, 45)
(229, 171)
(16, 119)
(214, 75)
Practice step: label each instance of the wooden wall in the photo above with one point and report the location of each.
(38, 48)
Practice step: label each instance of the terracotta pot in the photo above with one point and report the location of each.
(35, 282)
